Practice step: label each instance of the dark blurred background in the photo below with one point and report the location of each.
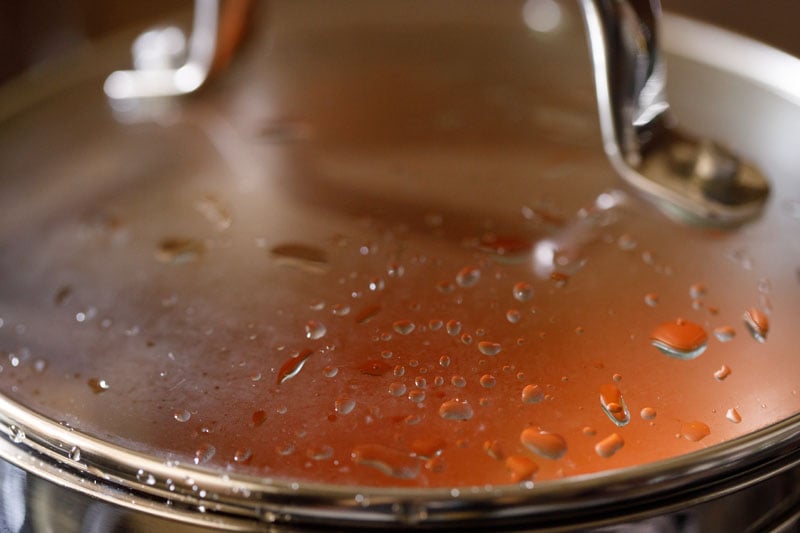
(32, 30)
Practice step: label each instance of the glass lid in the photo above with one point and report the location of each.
(386, 249)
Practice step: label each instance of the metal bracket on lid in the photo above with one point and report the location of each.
(157, 54)
(695, 180)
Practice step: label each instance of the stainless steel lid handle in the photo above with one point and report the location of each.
(157, 54)
(693, 179)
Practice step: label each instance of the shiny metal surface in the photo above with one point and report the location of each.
(103, 487)
(109, 458)
(31, 503)
(693, 179)
(155, 53)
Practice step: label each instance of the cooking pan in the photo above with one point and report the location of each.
(388, 269)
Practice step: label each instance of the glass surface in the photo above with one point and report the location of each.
(388, 250)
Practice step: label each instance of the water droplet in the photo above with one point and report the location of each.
(647, 413)
(286, 449)
(489, 348)
(651, 299)
(376, 284)
(375, 367)
(62, 295)
(319, 453)
(301, 257)
(293, 366)
(626, 242)
(75, 453)
(724, 333)
(98, 385)
(733, 415)
(213, 210)
(330, 371)
(764, 302)
(543, 443)
(315, 330)
(494, 449)
(413, 420)
(695, 431)
(559, 278)
(522, 291)
(203, 454)
(521, 468)
(589, 431)
(39, 366)
(403, 327)
(391, 462)
(259, 417)
(367, 314)
(416, 395)
(609, 445)
(340, 309)
(435, 465)
(764, 286)
(445, 286)
(435, 325)
(456, 410)
(680, 338)
(723, 372)
(177, 250)
(395, 270)
(182, 415)
(757, 324)
(741, 258)
(242, 455)
(453, 327)
(532, 394)
(145, 477)
(513, 316)
(613, 404)
(509, 249)
(444, 361)
(458, 381)
(17, 435)
(488, 381)
(397, 389)
(697, 290)
(344, 406)
(468, 276)
(438, 381)
(427, 447)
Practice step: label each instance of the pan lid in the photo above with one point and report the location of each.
(387, 251)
